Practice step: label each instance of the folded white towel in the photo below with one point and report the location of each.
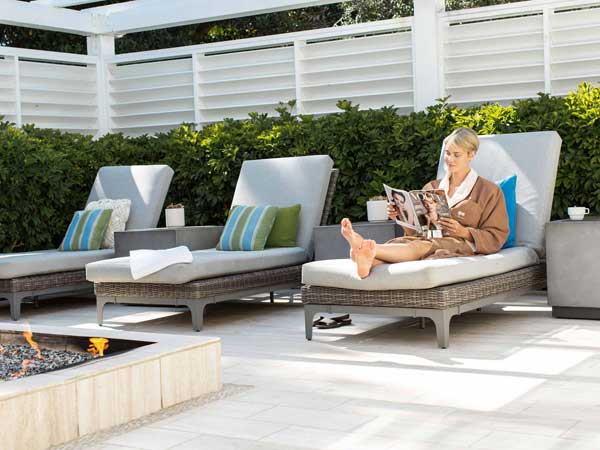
(145, 262)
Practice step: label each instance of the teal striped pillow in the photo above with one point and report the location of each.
(86, 230)
(247, 228)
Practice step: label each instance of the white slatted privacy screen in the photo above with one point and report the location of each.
(51, 93)
(499, 53)
(8, 92)
(152, 96)
(213, 82)
(575, 48)
(235, 84)
(495, 60)
(516, 56)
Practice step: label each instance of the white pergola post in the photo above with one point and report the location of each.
(102, 46)
(427, 48)
(18, 106)
(547, 18)
(299, 44)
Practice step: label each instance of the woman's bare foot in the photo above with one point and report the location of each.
(354, 239)
(364, 257)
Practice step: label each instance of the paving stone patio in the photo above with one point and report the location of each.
(513, 378)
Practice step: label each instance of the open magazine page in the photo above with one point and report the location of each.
(429, 206)
(405, 212)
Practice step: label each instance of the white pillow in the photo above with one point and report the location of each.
(118, 218)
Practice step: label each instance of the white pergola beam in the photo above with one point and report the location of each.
(63, 3)
(152, 14)
(23, 14)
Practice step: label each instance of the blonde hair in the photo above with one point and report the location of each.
(464, 138)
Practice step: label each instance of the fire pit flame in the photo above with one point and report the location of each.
(29, 337)
(24, 365)
(97, 346)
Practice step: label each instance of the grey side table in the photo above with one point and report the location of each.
(330, 244)
(572, 255)
(195, 238)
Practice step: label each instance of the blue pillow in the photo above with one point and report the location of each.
(509, 189)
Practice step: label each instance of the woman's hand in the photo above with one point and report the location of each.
(451, 227)
(391, 211)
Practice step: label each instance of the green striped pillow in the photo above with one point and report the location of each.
(86, 230)
(247, 228)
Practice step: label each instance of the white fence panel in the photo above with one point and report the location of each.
(58, 96)
(8, 95)
(498, 53)
(371, 71)
(236, 83)
(575, 48)
(370, 64)
(149, 97)
(48, 89)
(494, 59)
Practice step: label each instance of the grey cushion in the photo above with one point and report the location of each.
(14, 265)
(145, 186)
(285, 182)
(533, 157)
(341, 273)
(207, 264)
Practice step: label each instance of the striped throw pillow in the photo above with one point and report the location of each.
(86, 230)
(247, 228)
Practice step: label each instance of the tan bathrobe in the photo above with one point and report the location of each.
(482, 212)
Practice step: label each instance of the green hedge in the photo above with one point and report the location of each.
(45, 175)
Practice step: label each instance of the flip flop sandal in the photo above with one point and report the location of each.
(329, 323)
(341, 318)
(319, 321)
(347, 321)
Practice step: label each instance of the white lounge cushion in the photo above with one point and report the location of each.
(207, 264)
(285, 182)
(14, 265)
(341, 273)
(145, 186)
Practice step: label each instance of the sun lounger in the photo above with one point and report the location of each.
(47, 272)
(441, 289)
(215, 275)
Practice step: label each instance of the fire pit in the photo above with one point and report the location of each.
(24, 356)
(59, 387)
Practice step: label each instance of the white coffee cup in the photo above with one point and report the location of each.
(577, 212)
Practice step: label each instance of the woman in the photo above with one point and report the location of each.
(479, 222)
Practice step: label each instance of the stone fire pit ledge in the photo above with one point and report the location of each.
(49, 409)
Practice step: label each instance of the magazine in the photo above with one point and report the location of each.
(412, 211)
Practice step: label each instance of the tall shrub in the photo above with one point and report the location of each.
(46, 175)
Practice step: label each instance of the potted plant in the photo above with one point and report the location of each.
(377, 209)
(175, 215)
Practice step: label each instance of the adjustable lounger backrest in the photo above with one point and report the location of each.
(285, 182)
(145, 186)
(533, 157)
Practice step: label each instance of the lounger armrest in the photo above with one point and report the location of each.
(195, 238)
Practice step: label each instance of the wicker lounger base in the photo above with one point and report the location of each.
(439, 304)
(18, 289)
(197, 294)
